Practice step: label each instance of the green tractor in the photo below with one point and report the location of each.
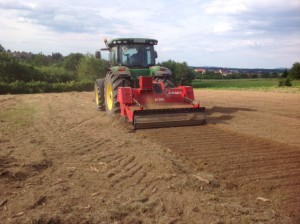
(129, 58)
(140, 91)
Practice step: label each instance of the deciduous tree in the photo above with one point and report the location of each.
(2, 48)
(180, 71)
(72, 60)
(90, 68)
(294, 72)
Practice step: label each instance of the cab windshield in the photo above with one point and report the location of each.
(137, 55)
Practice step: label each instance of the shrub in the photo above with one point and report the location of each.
(91, 68)
(44, 87)
(285, 82)
(288, 82)
(56, 74)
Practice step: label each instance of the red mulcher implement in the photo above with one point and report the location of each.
(152, 105)
(145, 94)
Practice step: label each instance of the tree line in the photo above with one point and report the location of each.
(54, 69)
(22, 72)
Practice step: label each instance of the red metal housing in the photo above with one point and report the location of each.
(154, 101)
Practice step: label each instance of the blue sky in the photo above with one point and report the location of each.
(226, 33)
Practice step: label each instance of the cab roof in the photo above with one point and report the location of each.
(131, 41)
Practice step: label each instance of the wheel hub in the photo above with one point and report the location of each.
(109, 96)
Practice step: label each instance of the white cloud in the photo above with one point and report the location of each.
(221, 7)
(222, 27)
(195, 31)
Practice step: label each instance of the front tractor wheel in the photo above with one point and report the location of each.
(168, 81)
(112, 83)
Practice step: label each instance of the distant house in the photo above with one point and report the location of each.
(200, 70)
(223, 72)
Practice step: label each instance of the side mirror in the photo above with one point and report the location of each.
(98, 54)
(155, 54)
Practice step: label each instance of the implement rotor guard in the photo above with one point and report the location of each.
(156, 118)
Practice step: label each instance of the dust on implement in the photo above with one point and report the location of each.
(145, 94)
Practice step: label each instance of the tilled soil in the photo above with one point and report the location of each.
(61, 161)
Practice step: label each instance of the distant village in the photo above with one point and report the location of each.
(246, 72)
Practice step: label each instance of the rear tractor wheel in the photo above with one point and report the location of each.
(99, 94)
(112, 83)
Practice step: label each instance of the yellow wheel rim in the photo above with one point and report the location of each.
(109, 96)
(97, 96)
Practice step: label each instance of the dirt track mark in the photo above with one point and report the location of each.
(151, 183)
(121, 168)
(122, 176)
(255, 166)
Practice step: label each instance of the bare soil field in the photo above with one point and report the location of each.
(61, 161)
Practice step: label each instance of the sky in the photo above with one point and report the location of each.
(223, 33)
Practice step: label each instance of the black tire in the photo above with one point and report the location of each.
(112, 83)
(99, 94)
(168, 81)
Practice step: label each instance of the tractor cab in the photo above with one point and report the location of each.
(135, 55)
(131, 52)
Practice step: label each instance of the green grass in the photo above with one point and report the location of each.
(19, 116)
(256, 84)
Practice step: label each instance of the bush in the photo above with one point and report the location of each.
(56, 74)
(72, 60)
(285, 82)
(288, 82)
(11, 70)
(90, 68)
(44, 87)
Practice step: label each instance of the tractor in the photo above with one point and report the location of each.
(142, 92)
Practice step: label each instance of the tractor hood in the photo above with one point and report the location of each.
(135, 73)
